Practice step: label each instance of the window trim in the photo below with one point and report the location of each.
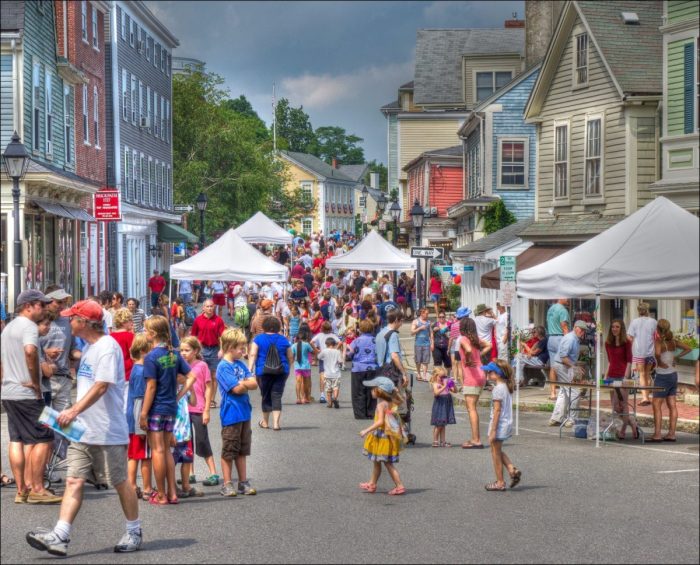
(122, 23)
(162, 184)
(525, 140)
(513, 72)
(151, 181)
(86, 117)
(96, 115)
(48, 114)
(307, 219)
(36, 105)
(561, 200)
(67, 124)
(125, 94)
(595, 198)
(126, 180)
(95, 32)
(304, 185)
(142, 179)
(134, 98)
(132, 31)
(575, 84)
(135, 179)
(83, 21)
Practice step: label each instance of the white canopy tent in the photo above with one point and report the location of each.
(229, 258)
(653, 253)
(375, 253)
(261, 229)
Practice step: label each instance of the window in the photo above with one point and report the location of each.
(307, 226)
(135, 175)
(84, 20)
(95, 36)
(143, 102)
(144, 179)
(489, 82)
(167, 65)
(151, 182)
(473, 172)
(688, 88)
(149, 44)
(48, 101)
(561, 161)
(593, 158)
(134, 99)
(122, 23)
(96, 116)
(126, 177)
(125, 95)
(307, 192)
(155, 114)
(170, 187)
(149, 111)
(86, 130)
(163, 180)
(162, 117)
(36, 109)
(167, 120)
(156, 197)
(162, 59)
(67, 105)
(581, 76)
(512, 163)
(156, 55)
(132, 32)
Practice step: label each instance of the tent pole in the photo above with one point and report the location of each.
(170, 291)
(597, 370)
(518, 373)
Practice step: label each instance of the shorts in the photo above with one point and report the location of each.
(401, 300)
(219, 299)
(456, 355)
(435, 297)
(200, 437)
(553, 342)
(472, 390)
(182, 452)
(22, 421)
(650, 360)
(138, 447)
(47, 397)
(161, 423)
(441, 357)
(422, 353)
(97, 463)
(236, 440)
(321, 366)
(670, 383)
(332, 384)
(305, 373)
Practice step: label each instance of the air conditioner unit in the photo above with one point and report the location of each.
(139, 45)
(144, 122)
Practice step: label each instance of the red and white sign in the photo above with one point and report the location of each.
(108, 205)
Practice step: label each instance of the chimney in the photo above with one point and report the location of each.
(514, 23)
(541, 18)
(374, 180)
(334, 163)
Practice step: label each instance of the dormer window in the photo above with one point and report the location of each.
(581, 76)
(489, 82)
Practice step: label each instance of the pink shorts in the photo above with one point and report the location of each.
(306, 373)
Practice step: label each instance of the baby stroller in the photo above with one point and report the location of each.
(57, 462)
(405, 412)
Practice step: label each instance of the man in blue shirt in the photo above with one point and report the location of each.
(391, 350)
(564, 364)
(558, 325)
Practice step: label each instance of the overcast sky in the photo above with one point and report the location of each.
(341, 60)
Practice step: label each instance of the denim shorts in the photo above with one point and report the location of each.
(670, 383)
(161, 423)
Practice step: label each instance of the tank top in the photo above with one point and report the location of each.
(471, 376)
(667, 358)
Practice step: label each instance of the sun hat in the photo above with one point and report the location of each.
(88, 309)
(58, 294)
(480, 309)
(581, 324)
(382, 383)
(492, 367)
(462, 312)
(31, 295)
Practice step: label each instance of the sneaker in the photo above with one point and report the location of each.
(21, 497)
(193, 480)
(569, 423)
(211, 481)
(228, 490)
(245, 488)
(47, 540)
(336, 404)
(322, 399)
(45, 497)
(130, 542)
(553, 423)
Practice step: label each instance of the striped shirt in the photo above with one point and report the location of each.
(138, 317)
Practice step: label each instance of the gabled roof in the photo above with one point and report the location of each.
(407, 86)
(632, 54)
(439, 52)
(391, 107)
(373, 192)
(355, 172)
(316, 166)
(497, 238)
(453, 151)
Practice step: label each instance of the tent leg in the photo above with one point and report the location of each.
(518, 376)
(597, 369)
(170, 290)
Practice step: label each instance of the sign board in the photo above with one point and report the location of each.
(507, 265)
(107, 205)
(468, 268)
(382, 225)
(446, 268)
(427, 252)
(507, 292)
(402, 240)
(444, 243)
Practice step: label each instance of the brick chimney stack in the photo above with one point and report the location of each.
(334, 163)
(541, 18)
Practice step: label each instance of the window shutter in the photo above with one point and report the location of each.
(688, 98)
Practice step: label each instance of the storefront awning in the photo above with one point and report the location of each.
(78, 213)
(528, 258)
(172, 233)
(65, 211)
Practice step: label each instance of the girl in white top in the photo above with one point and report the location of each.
(642, 331)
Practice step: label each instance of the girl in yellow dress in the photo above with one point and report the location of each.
(383, 439)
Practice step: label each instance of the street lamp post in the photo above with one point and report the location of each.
(201, 206)
(395, 210)
(365, 194)
(381, 206)
(417, 215)
(16, 161)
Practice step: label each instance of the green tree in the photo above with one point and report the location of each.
(333, 142)
(380, 168)
(294, 131)
(217, 150)
(243, 107)
(497, 217)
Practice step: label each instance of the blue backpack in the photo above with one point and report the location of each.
(190, 314)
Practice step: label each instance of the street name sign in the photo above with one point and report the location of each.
(507, 265)
(427, 252)
(468, 268)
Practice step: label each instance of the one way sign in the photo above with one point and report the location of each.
(427, 252)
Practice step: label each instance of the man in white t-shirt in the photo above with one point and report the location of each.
(485, 322)
(315, 247)
(502, 332)
(642, 330)
(388, 288)
(30, 442)
(100, 455)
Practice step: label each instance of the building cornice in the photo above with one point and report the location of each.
(140, 9)
(433, 115)
(677, 27)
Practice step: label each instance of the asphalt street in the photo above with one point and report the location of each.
(620, 503)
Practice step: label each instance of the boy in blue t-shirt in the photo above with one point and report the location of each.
(234, 381)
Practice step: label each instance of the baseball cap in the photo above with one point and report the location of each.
(492, 367)
(31, 295)
(88, 309)
(383, 383)
(266, 303)
(581, 324)
(58, 294)
(462, 312)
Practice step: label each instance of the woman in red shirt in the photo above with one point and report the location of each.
(619, 351)
(435, 291)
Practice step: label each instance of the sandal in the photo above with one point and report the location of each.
(436, 444)
(653, 440)
(635, 432)
(670, 439)
(260, 425)
(495, 487)
(445, 444)
(469, 445)
(397, 491)
(153, 499)
(139, 492)
(146, 496)
(515, 477)
(212, 404)
(368, 487)
(174, 500)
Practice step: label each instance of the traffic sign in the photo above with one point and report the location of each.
(507, 265)
(427, 252)
(507, 292)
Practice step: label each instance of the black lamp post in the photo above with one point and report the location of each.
(417, 215)
(395, 210)
(381, 206)
(365, 194)
(16, 161)
(201, 206)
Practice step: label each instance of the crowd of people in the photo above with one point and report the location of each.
(149, 379)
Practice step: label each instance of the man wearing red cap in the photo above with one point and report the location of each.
(101, 452)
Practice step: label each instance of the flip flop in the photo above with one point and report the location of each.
(472, 446)
(260, 425)
(653, 440)
(368, 487)
(397, 491)
(670, 439)
(175, 500)
(515, 478)
(645, 403)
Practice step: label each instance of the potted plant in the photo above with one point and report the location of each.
(691, 341)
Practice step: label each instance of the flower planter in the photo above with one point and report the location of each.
(692, 356)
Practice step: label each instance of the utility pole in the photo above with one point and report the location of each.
(274, 120)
